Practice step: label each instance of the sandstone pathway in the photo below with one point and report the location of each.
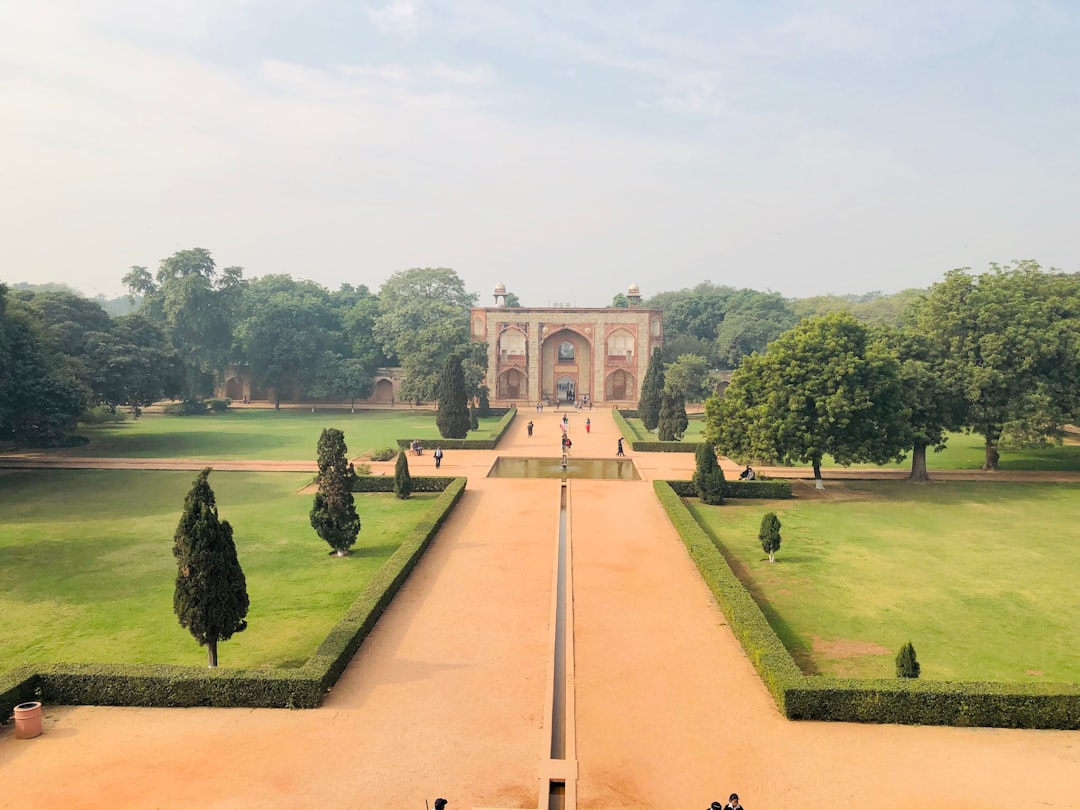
(447, 697)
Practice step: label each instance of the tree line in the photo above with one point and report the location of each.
(996, 354)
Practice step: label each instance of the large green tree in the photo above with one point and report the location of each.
(1009, 343)
(285, 328)
(333, 514)
(423, 319)
(690, 376)
(452, 417)
(652, 391)
(41, 395)
(194, 305)
(824, 387)
(211, 598)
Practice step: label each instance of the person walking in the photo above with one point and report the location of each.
(529, 427)
(438, 454)
(588, 425)
(620, 452)
(733, 803)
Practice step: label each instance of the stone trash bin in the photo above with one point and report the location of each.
(27, 720)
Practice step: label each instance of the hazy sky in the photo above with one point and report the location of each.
(564, 148)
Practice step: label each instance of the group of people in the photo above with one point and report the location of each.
(733, 804)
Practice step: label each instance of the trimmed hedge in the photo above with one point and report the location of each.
(385, 483)
(621, 414)
(766, 652)
(300, 688)
(471, 444)
(816, 697)
(769, 489)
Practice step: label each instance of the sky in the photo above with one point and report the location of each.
(566, 149)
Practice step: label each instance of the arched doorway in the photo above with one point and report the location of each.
(384, 391)
(566, 388)
(234, 389)
(619, 385)
(512, 384)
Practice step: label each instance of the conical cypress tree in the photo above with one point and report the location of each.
(474, 423)
(907, 666)
(484, 410)
(769, 534)
(402, 478)
(652, 389)
(211, 597)
(453, 414)
(673, 421)
(709, 481)
(333, 515)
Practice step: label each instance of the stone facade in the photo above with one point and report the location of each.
(544, 353)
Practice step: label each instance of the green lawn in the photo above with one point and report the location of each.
(693, 431)
(979, 576)
(286, 435)
(87, 572)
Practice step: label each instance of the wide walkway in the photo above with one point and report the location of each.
(447, 696)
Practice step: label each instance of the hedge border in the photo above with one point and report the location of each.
(177, 686)
(768, 489)
(490, 443)
(641, 446)
(819, 697)
(385, 483)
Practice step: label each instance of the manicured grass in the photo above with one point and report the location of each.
(979, 576)
(964, 451)
(693, 431)
(87, 572)
(286, 435)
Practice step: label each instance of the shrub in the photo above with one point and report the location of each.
(362, 469)
(402, 479)
(384, 453)
(219, 405)
(907, 666)
(333, 513)
(769, 534)
(102, 415)
(708, 476)
(187, 407)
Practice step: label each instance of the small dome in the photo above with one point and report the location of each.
(500, 289)
(633, 290)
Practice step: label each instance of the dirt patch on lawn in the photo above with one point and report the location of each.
(843, 657)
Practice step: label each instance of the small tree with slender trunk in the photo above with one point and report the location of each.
(907, 666)
(333, 515)
(452, 417)
(769, 535)
(211, 597)
(708, 475)
(652, 390)
(402, 478)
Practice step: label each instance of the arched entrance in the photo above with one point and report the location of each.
(512, 384)
(566, 387)
(384, 391)
(619, 385)
(234, 389)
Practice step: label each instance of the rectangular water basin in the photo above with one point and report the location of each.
(608, 469)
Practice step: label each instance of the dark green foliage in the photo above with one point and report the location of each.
(673, 421)
(403, 485)
(218, 405)
(759, 489)
(452, 417)
(474, 422)
(907, 666)
(385, 483)
(484, 410)
(652, 390)
(769, 535)
(187, 407)
(384, 453)
(211, 597)
(708, 476)
(333, 514)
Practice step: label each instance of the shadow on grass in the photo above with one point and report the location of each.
(790, 639)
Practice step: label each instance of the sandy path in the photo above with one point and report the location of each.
(446, 696)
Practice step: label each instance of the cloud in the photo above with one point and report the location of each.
(396, 17)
